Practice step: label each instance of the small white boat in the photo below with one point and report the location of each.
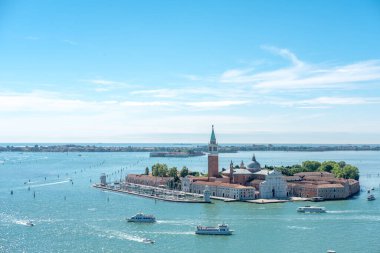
(371, 197)
(331, 251)
(144, 218)
(311, 209)
(29, 223)
(222, 229)
(146, 240)
(317, 199)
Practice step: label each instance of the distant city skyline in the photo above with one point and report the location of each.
(165, 71)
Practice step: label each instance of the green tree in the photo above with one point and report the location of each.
(184, 172)
(329, 166)
(311, 165)
(155, 170)
(342, 164)
(173, 172)
(350, 171)
(146, 171)
(163, 170)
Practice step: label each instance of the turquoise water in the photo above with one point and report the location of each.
(90, 220)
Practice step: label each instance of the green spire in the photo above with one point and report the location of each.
(213, 138)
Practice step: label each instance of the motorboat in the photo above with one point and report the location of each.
(221, 229)
(311, 209)
(143, 218)
(29, 223)
(146, 240)
(317, 199)
(371, 197)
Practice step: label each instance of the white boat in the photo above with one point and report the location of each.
(222, 229)
(311, 209)
(317, 199)
(140, 217)
(371, 197)
(146, 240)
(29, 223)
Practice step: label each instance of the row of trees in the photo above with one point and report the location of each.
(339, 169)
(162, 170)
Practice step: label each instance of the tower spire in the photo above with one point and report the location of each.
(213, 138)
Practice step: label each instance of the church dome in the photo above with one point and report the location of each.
(254, 165)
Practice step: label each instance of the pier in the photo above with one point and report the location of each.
(153, 193)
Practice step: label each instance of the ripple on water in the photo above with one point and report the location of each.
(299, 228)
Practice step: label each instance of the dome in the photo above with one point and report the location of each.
(254, 165)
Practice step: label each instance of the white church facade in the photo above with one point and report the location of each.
(274, 186)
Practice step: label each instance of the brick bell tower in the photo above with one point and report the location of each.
(213, 158)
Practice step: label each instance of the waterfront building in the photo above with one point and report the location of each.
(224, 190)
(321, 184)
(213, 157)
(274, 186)
(188, 180)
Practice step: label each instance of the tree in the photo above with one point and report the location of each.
(184, 172)
(163, 170)
(173, 172)
(329, 166)
(154, 170)
(311, 165)
(160, 170)
(350, 171)
(342, 164)
(146, 171)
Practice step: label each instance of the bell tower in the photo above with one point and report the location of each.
(213, 158)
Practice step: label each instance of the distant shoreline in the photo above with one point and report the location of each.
(197, 148)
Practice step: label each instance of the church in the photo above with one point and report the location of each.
(238, 181)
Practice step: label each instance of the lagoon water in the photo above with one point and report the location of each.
(74, 217)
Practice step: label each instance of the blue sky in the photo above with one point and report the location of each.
(165, 71)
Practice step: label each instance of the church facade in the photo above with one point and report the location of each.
(274, 186)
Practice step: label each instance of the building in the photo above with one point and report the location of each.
(274, 186)
(224, 190)
(238, 175)
(213, 158)
(254, 166)
(321, 184)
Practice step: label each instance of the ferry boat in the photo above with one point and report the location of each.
(140, 217)
(371, 197)
(311, 209)
(222, 229)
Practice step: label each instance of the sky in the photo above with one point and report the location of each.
(164, 71)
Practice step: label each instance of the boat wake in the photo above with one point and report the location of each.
(343, 211)
(172, 233)
(47, 184)
(122, 235)
(299, 228)
(175, 222)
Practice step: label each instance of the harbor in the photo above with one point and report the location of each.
(154, 193)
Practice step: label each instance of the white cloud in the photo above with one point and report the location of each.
(325, 102)
(216, 104)
(301, 75)
(152, 103)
